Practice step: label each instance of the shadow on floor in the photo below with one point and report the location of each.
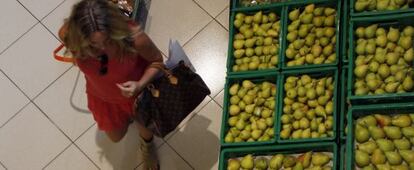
(126, 155)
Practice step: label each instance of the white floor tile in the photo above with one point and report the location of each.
(12, 99)
(109, 155)
(223, 18)
(208, 53)
(169, 160)
(72, 158)
(55, 19)
(29, 62)
(198, 141)
(213, 7)
(178, 19)
(30, 140)
(220, 98)
(11, 12)
(40, 8)
(69, 112)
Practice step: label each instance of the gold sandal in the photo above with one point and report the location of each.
(149, 155)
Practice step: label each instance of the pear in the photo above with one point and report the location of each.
(361, 70)
(409, 55)
(385, 145)
(361, 134)
(370, 31)
(383, 167)
(392, 87)
(305, 159)
(408, 131)
(257, 18)
(402, 144)
(368, 147)
(234, 89)
(369, 167)
(233, 164)
(294, 15)
(393, 35)
(393, 158)
(400, 167)
(393, 132)
(361, 158)
(378, 157)
(247, 162)
(360, 32)
(234, 110)
(406, 42)
(320, 159)
(401, 121)
(407, 155)
(383, 120)
(369, 121)
(408, 83)
(361, 5)
(298, 166)
(276, 161)
(261, 164)
(289, 162)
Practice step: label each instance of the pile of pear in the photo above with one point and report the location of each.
(308, 108)
(381, 5)
(384, 60)
(252, 112)
(384, 142)
(311, 36)
(256, 43)
(308, 160)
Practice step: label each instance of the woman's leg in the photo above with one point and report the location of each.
(148, 149)
(117, 135)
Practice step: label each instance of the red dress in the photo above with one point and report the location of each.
(110, 109)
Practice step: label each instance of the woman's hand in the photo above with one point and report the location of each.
(130, 88)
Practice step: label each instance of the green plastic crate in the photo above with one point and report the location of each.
(271, 77)
(333, 4)
(230, 59)
(343, 102)
(398, 21)
(359, 111)
(342, 156)
(227, 153)
(238, 7)
(344, 32)
(377, 13)
(314, 73)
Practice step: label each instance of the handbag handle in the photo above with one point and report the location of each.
(61, 58)
(167, 72)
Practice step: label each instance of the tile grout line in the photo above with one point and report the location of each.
(51, 121)
(198, 32)
(214, 18)
(188, 163)
(54, 158)
(83, 152)
(51, 83)
(2, 165)
(219, 21)
(18, 38)
(52, 10)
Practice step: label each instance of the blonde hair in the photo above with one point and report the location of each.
(89, 16)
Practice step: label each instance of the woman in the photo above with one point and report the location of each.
(114, 54)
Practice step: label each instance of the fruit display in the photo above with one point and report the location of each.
(251, 112)
(256, 41)
(381, 5)
(383, 60)
(384, 142)
(311, 36)
(247, 3)
(308, 107)
(308, 160)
